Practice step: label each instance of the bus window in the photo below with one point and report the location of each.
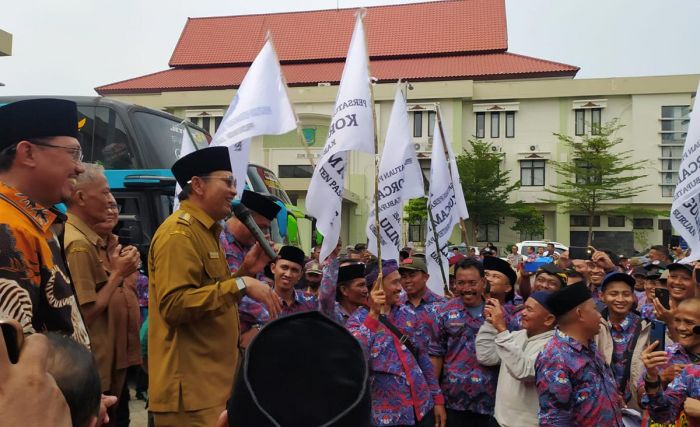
(111, 145)
(163, 138)
(86, 127)
(264, 180)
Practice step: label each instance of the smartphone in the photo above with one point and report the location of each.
(658, 333)
(663, 296)
(580, 252)
(14, 338)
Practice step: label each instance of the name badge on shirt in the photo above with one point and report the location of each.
(213, 255)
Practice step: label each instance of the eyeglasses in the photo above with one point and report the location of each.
(76, 152)
(114, 208)
(229, 180)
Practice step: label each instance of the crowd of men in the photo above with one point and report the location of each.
(237, 338)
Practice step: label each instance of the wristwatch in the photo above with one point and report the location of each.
(651, 384)
(240, 283)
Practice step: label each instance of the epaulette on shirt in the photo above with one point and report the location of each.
(184, 218)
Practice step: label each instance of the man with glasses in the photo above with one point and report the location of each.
(104, 275)
(39, 164)
(243, 253)
(193, 329)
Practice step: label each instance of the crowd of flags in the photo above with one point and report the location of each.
(261, 106)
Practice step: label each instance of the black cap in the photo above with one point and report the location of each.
(37, 118)
(567, 298)
(497, 264)
(260, 203)
(554, 270)
(618, 277)
(282, 357)
(351, 272)
(293, 254)
(639, 271)
(201, 163)
(679, 266)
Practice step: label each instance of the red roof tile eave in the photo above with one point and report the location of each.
(102, 90)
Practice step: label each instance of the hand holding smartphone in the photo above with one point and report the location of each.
(663, 296)
(658, 333)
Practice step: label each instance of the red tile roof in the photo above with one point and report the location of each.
(439, 27)
(477, 67)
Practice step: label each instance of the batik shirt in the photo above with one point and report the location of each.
(466, 384)
(666, 406)
(647, 312)
(35, 287)
(513, 314)
(595, 295)
(235, 253)
(426, 310)
(402, 386)
(622, 336)
(252, 312)
(575, 385)
(327, 292)
(142, 289)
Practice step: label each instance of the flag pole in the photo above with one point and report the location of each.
(380, 276)
(300, 133)
(432, 219)
(449, 166)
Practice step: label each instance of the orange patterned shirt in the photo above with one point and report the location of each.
(35, 287)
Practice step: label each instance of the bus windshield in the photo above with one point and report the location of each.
(162, 138)
(264, 180)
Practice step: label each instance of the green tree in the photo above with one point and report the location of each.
(528, 219)
(596, 174)
(416, 210)
(486, 187)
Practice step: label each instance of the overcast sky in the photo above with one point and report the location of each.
(69, 47)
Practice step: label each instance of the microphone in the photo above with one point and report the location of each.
(243, 215)
(125, 237)
(696, 329)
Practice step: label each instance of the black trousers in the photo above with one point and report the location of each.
(469, 419)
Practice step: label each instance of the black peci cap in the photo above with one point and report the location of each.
(293, 254)
(568, 298)
(260, 203)
(37, 118)
(201, 163)
(284, 382)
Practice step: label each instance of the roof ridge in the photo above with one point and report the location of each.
(136, 78)
(382, 6)
(543, 60)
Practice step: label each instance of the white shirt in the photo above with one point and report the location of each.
(517, 401)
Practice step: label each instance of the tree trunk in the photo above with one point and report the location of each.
(590, 229)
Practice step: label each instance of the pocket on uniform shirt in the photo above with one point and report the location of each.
(216, 270)
(455, 328)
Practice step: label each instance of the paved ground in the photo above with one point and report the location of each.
(137, 412)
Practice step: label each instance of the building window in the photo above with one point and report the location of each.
(532, 173)
(495, 124)
(531, 236)
(416, 232)
(580, 122)
(431, 122)
(480, 125)
(488, 233)
(674, 129)
(643, 224)
(596, 121)
(417, 124)
(295, 171)
(664, 224)
(510, 124)
(616, 221)
(582, 220)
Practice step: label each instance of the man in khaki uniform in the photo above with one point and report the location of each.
(193, 318)
(108, 303)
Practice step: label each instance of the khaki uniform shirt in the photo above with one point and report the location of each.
(193, 326)
(88, 262)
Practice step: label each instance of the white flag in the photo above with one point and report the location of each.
(447, 205)
(400, 179)
(260, 107)
(685, 210)
(351, 128)
(186, 148)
